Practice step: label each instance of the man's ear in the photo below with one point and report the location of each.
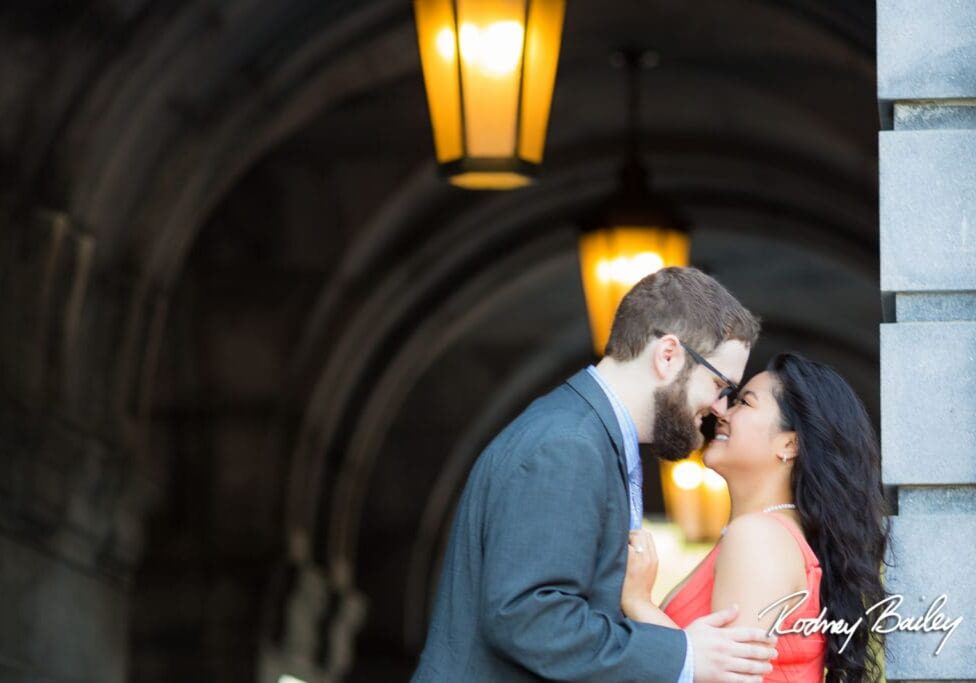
(666, 357)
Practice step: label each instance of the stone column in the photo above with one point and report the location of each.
(72, 492)
(927, 154)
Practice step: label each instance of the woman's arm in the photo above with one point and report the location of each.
(648, 612)
(635, 598)
(759, 563)
(718, 648)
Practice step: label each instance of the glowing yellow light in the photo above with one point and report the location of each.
(489, 181)
(489, 71)
(496, 49)
(687, 475)
(695, 497)
(628, 270)
(445, 44)
(714, 480)
(614, 259)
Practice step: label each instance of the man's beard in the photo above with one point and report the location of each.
(675, 434)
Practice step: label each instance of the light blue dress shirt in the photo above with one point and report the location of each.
(635, 480)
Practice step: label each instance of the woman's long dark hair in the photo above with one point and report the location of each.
(836, 484)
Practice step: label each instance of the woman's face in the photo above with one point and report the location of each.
(749, 437)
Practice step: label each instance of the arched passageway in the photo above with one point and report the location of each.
(290, 338)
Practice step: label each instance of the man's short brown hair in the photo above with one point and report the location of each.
(681, 301)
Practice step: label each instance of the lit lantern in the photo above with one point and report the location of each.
(614, 259)
(695, 498)
(489, 69)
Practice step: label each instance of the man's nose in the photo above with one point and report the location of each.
(720, 407)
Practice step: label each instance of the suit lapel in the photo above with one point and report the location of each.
(587, 387)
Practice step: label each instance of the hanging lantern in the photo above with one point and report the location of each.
(614, 259)
(489, 70)
(696, 498)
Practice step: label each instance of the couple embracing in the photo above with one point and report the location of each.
(548, 573)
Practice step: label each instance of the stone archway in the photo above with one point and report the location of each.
(126, 190)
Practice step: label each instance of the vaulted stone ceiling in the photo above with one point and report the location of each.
(298, 338)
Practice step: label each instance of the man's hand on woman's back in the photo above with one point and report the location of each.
(734, 654)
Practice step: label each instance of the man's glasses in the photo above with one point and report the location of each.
(730, 390)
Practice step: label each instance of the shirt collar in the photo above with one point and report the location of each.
(627, 427)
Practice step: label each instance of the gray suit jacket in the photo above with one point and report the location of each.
(530, 587)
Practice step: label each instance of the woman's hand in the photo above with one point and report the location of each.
(642, 563)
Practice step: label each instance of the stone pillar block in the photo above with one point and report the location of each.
(927, 210)
(927, 189)
(928, 424)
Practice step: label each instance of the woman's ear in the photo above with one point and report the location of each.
(786, 448)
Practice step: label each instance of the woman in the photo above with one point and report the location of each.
(802, 465)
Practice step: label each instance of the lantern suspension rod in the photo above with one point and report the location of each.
(634, 60)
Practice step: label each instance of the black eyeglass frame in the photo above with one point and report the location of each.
(731, 390)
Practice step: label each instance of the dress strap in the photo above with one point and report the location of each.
(808, 555)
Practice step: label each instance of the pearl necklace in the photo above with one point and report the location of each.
(771, 508)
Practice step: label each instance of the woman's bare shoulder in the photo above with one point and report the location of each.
(758, 538)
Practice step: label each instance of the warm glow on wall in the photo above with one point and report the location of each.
(489, 109)
(687, 475)
(613, 260)
(695, 498)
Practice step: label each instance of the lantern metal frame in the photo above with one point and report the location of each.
(521, 162)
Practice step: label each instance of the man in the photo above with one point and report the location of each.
(531, 582)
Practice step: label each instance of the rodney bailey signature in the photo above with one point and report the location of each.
(888, 619)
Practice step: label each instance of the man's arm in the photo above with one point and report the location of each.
(542, 530)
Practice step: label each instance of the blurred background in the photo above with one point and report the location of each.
(254, 339)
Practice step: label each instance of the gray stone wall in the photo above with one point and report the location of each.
(71, 498)
(927, 158)
(44, 599)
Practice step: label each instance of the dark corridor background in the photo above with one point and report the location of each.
(255, 343)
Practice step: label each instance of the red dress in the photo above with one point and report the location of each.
(800, 658)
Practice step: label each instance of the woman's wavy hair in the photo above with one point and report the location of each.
(836, 483)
